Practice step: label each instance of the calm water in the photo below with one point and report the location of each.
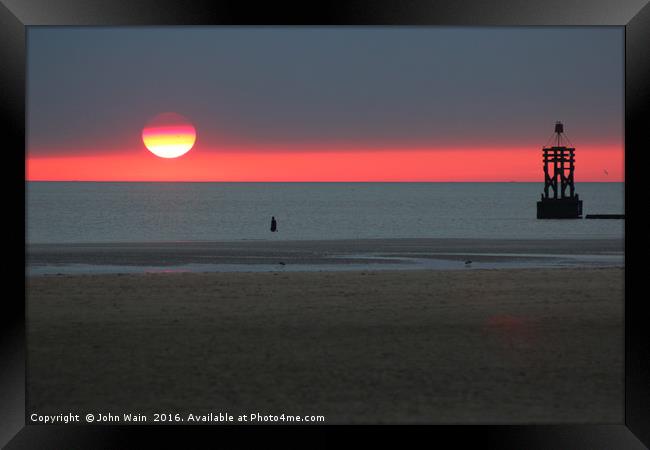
(129, 212)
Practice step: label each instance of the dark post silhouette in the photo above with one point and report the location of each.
(274, 225)
(559, 165)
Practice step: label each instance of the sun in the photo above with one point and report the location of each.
(169, 135)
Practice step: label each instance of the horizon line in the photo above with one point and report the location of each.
(307, 181)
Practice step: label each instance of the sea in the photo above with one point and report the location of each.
(105, 212)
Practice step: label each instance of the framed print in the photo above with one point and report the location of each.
(242, 220)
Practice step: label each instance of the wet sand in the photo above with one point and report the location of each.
(312, 252)
(483, 346)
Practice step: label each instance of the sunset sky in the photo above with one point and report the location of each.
(322, 103)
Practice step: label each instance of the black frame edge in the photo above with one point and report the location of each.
(637, 136)
(12, 315)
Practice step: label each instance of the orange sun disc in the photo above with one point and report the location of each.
(169, 135)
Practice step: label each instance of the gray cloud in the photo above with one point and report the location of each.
(392, 87)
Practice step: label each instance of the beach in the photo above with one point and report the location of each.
(531, 345)
(320, 255)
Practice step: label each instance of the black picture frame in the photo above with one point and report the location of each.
(16, 15)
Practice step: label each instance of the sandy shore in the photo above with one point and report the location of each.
(342, 255)
(291, 252)
(486, 346)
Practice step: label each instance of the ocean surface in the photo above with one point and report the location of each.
(83, 212)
